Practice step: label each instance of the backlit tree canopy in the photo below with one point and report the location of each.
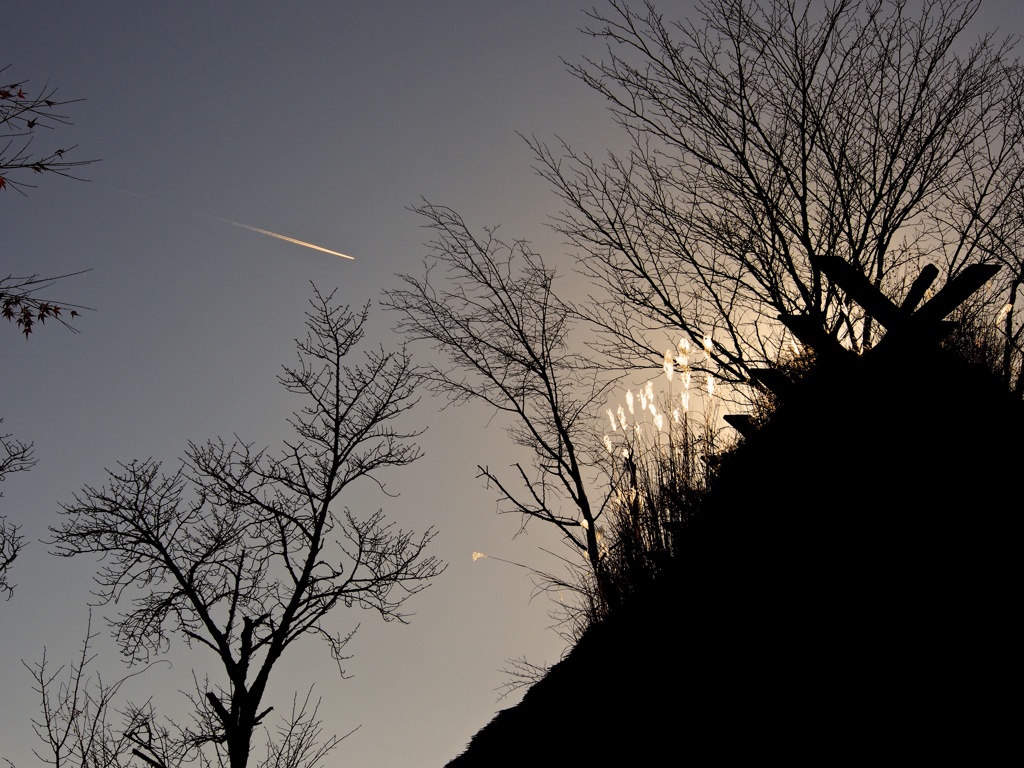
(767, 132)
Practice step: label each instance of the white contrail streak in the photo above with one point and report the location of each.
(266, 232)
(281, 237)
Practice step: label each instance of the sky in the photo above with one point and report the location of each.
(324, 122)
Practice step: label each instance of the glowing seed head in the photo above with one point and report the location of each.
(1007, 308)
(686, 379)
(684, 347)
(478, 555)
(643, 401)
(622, 417)
(659, 421)
(611, 418)
(653, 410)
(685, 397)
(584, 524)
(711, 385)
(675, 415)
(650, 391)
(708, 344)
(629, 400)
(608, 443)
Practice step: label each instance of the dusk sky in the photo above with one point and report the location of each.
(320, 121)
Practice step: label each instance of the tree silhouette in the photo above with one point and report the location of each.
(768, 132)
(242, 552)
(15, 456)
(490, 310)
(25, 116)
(81, 722)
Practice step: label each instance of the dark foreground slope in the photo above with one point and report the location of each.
(850, 590)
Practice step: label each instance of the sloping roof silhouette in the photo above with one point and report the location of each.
(849, 590)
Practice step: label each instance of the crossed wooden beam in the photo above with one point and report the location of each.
(906, 324)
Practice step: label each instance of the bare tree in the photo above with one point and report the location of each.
(77, 721)
(767, 132)
(15, 456)
(489, 308)
(82, 723)
(241, 552)
(10, 546)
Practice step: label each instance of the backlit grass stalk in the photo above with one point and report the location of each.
(660, 465)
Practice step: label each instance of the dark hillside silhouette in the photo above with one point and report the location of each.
(847, 590)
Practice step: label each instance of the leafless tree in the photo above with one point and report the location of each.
(242, 552)
(489, 308)
(15, 456)
(766, 132)
(10, 546)
(82, 722)
(76, 720)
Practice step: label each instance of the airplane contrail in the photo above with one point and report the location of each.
(266, 232)
(280, 237)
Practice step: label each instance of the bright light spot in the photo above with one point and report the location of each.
(478, 555)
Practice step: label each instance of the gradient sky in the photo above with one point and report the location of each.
(321, 121)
